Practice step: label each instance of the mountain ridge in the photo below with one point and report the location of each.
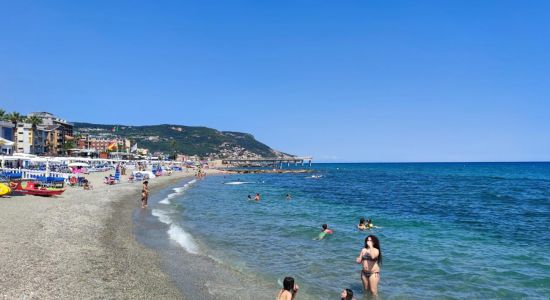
(189, 140)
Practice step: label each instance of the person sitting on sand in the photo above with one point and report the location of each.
(144, 194)
(289, 290)
(347, 294)
(87, 185)
(324, 232)
(257, 197)
(362, 224)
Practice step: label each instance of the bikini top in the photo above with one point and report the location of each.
(369, 258)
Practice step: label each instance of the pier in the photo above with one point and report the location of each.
(274, 162)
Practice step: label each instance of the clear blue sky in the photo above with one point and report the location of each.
(339, 80)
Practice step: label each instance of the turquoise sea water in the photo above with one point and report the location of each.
(448, 230)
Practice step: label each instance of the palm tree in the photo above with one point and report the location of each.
(2, 114)
(35, 121)
(15, 118)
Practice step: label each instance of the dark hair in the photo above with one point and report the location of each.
(362, 221)
(146, 182)
(375, 244)
(349, 294)
(325, 226)
(288, 284)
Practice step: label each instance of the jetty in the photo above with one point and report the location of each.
(273, 162)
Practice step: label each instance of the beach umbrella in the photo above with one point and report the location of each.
(78, 164)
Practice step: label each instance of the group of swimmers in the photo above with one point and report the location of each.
(257, 197)
(370, 257)
(290, 289)
(365, 224)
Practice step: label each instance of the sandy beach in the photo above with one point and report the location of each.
(79, 245)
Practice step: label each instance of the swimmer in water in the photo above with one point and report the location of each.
(369, 224)
(249, 197)
(347, 294)
(289, 290)
(362, 224)
(288, 197)
(257, 197)
(324, 232)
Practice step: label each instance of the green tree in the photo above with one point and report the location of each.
(68, 145)
(15, 118)
(2, 114)
(34, 121)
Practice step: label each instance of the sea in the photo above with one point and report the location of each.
(446, 231)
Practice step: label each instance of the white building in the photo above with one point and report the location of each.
(31, 141)
(6, 137)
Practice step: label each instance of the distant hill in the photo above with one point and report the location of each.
(201, 141)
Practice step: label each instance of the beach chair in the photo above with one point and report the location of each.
(138, 177)
(117, 176)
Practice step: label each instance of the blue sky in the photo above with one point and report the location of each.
(339, 80)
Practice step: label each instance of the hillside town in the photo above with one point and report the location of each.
(45, 134)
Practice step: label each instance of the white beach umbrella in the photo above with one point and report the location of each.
(78, 164)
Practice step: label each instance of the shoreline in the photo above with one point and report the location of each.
(80, 245)
(195, 270)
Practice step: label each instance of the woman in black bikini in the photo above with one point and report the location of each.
(371, 259)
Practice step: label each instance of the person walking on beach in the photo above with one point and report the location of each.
(289, 290)
(371, 259)
(144, 194)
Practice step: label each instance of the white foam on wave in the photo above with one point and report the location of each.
(167, 199)
(180, 189)
(184, 187)
(238, 182)
(176, 233)
(183, 238)
(162, 216)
